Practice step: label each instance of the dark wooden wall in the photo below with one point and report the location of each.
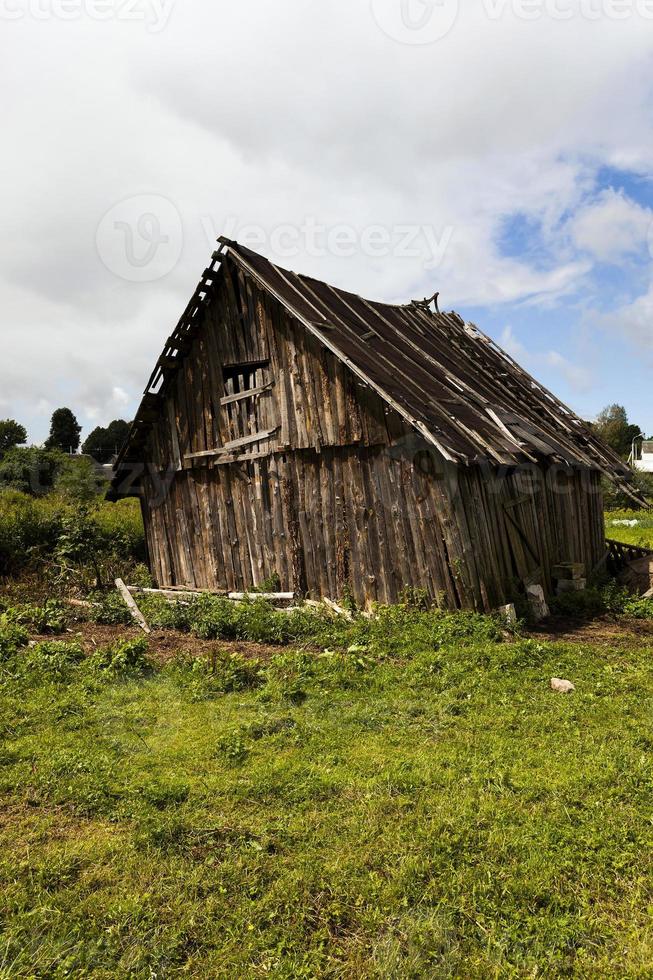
(343, 497)
(314, 401)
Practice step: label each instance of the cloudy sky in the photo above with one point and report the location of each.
(500, 151)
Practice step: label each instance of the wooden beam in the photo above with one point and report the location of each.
(252, 393)
(190, 593)
(137, 615)
(236, 444)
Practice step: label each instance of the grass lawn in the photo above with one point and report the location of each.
(639, 534)
(425, 810)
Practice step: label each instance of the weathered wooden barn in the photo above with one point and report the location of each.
(297, 432)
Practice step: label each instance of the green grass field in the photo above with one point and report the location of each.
(402, 797)
(414, 809)
(640, 534)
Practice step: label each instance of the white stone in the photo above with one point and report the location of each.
(561, 687)
(509, 613)
(537, 602)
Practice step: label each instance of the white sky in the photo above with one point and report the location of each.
(291, 116)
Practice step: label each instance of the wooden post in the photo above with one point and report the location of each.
(131, 603)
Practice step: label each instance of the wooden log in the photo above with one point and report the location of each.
(180, 593)
(137, 615)
(338, 610)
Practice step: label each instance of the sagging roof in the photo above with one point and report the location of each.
(451, 382)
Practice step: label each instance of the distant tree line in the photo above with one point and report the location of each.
(105, 443)
(38, 470)
(613, 427)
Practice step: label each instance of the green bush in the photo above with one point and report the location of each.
(638, 607)
(29, 530)
(221, 673)
(612, 599)
(51, 617)
(108, 608)
(80, 481)
(52, 659)
(71, 544)
(31, 470)
(12, 637)
(124, 659)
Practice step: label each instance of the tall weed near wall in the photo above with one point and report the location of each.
(68, 543)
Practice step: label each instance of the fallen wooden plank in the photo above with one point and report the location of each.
(180, 593)
(137, 615)
(274, 596)
(338, 610)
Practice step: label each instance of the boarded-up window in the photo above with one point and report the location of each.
(246, 408)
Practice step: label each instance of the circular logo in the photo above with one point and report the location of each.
(140, 239)
(415, 21)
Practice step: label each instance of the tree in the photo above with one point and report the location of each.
(64, 431)
(103, 444)
(12, 434)
(80, 480)
(613, 427)
(30, 469)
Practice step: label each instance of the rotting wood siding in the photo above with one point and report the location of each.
(369, 523)
(311, 399)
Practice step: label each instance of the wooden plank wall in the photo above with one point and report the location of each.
(368, 523)
(315, 401)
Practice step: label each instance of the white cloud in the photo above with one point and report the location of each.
(578, 378)
(612, 227)
(273, 113)
(632, 322)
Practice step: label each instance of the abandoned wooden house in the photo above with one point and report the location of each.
(295, 432)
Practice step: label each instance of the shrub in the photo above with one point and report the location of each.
(288, 676)
(108, 608)
(638, 607)
(126, 658)
(580, 605)
(212, 617)
(221, 673)
(49, 618)
(12, 637)
(80, 481)
(31, 470)
(53, 659)
(612, 598)
(234, 747)
(29, 529)
(72, 543)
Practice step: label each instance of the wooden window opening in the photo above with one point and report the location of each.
(246, 412)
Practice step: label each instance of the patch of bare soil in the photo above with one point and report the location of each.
(163, 644)
(603, 631)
